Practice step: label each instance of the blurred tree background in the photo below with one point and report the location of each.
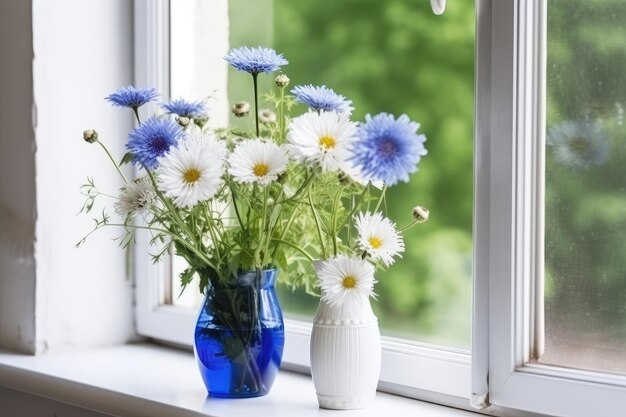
(585, 182)
(393, 56)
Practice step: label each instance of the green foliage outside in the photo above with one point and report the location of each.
(586, 206)
(393, 56)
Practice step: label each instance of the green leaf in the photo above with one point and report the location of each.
(128, 157)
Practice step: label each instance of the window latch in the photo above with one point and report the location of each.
(438, 6)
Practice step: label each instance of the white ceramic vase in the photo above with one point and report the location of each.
(345, 355)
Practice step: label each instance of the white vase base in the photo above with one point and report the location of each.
(344, 403)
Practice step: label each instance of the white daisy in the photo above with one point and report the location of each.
(192, 172)
(136, 198)
(379, 237)
(321, 138)
(257, 161)
(345, 280)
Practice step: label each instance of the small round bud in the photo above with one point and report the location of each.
(282, 81)
(183, 121)
(266, 116)
(90, 136)
(241, 109)
(420, 214)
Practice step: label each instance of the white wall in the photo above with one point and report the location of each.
(17, 179)
(83, 51)
(52, 296)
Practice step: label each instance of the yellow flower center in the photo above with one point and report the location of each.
(349, 282)
(260, 170)
(191, 175)
(375, 242)
(327, 142)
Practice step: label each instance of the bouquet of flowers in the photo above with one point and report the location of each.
(290, 191)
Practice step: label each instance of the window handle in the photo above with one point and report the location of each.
(438, 6)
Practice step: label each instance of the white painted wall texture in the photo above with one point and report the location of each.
(83, 51)
(17, 179)
(54, 297)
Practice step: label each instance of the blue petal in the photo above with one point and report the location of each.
(151, 140)
(387, 149)
(132, 97)
(255, 60)
(322, 98)
(183, 108)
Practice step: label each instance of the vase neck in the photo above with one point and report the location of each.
(259, 279)
(356, 311)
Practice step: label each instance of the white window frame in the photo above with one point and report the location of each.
(510, 126)
(441, 375)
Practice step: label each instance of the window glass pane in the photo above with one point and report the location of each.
(392, 56)
(585, 212)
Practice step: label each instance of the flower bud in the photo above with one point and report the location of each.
(282, 81)
(241, 109)
(90, 136)
(266, 116)
(420, 214)
(183, 121)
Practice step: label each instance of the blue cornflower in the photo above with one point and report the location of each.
(388, 149)
(152, 139)
(255, 60)
(185, 108)
(132, 97)
(322, 98)
(579, 144)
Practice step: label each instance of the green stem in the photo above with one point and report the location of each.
(281, 121)
(408, 226)
(232, 193)
(317, 225)
(381, 198)
(182, 241)
(296, 247)
(355, 207)
(113, 160)
(334, 220)
(299, 191)
(172, 210)
(256, 103)
(136, 111)
(287, 227)
(262, 230)
(209, 225)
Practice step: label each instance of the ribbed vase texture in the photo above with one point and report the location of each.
(345, 355)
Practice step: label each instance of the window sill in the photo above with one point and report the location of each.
(146, 380)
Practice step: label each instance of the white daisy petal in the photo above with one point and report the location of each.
(136, 198)
(257, 161)
(192, 172)
(379, 237)
(346, 280)
(322, 139)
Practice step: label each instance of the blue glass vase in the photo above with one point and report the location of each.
(240, 335)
